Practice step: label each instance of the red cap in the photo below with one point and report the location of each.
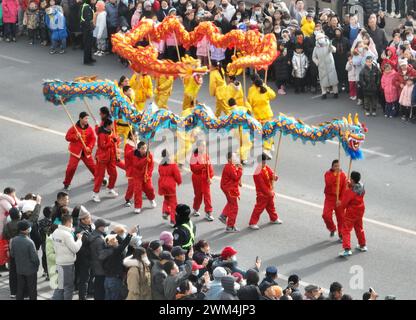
(196, 266)
(228, 252)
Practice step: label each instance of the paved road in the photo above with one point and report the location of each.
(34, 160)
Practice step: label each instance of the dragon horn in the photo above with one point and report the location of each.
(349, 119)
(345, 120)
(356, 121)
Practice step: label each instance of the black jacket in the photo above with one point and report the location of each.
(112, 259)
(181, 236)
(74, 20)
(342, 46)
(370, 80)
(84, 254)
(97, 244)
(379, 38)
(281, 68)
(249, 292)
(87, 15)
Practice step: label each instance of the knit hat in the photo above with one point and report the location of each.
(228, 252)
(403, 62)
(166, 237)
(23, 225)
(219, 272)
(147, 4)
(183, 210)
(83, 213)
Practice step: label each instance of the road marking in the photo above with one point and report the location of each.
(376, 153)
(247, 186)
(175, 101)
(317, 96)
(14, 59)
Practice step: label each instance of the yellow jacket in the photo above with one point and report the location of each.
(307, 27)
(217, 85)
(238, 95)
(142, 86)
(164, 85)
(191, 88)
(261, 102)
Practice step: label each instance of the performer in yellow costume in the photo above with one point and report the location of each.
(259, 96)
(186, 140)
(235, 91)
(163, 90)
(143, 89)
(218, 89)
(122, 127)
(191, 88)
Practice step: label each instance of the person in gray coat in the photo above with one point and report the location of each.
(229, 293)
(175, 277)
(159, 275)
(24, 253)
(323, 58)
(97, 245)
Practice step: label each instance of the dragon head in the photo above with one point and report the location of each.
(352, 133)
(191, 67)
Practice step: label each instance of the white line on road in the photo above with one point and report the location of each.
(14, 59)
(175, 101)
(247, 186)
(376, 153)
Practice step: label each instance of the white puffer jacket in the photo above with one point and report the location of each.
(65, 246)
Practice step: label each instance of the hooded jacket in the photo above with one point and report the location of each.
(393, 60)
(353, 202)
(139, 279)
(390, 90)
(65, 246)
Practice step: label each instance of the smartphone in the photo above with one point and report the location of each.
(370, 290)
(257, 259)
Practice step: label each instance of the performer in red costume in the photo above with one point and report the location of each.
(330, 205)
(202, 173)
(106, 159)
(142, 177)
(169, 177)
(230, 183)
(263, 180)
(353, 204)
(77, 150)
(129, 148)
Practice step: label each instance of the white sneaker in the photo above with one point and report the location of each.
(254, 227)
(96, 53)
(196, 213)
(153, 203)
(345, 253)
(100, 54)
(171, 224)
(367, 114)
(353, 98)
(398, 16)
(359, 102)
(112, 193)
(278, 221)
(96, 197)
(137, 211)
(362, 249)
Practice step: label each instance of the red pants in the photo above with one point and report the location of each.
(130, 189)
(73, 164)
(353, 88)
(231, 210)
(202, 191)
(121, 164)
(100, 173)
(329, 208)
(169, 206)
(357, 225)
(261, 204)
(139, 187)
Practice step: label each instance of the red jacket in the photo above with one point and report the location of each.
(139, 166)
(201, 166)
(353, 202)
(230, 179)
(401, 79)
(331, 184)
(128, 159)
(106, 147)
(169, 177)
(264, 181)
(75, 145)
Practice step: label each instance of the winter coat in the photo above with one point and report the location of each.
(158, 278)
(217, 54)
(406, 96)
(350, 68)
(6, 203)
(23, 250)
(112, 15)
(392, 60)
(323, 58)
(65, 246)
(370, 80)
(281, 68)
(31, 19)
(307, 27)
(10, 10)
(51, 263)
(390, 91)
(169, 177)
(215, 290)
(74, 18)
(400, 78)
(139, 280)
(100, 31)
(260, 102)
(97, 244)
(249, 292)
(112, 258)
(84, 254)
(342, 47)
(55, 21)
(300, 65)
(379, 37)
(172, 282)
(353, 202)
(228, 293)
(10, 230)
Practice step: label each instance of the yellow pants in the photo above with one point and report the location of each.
(221, 106)
(140, 105)
(187, 102)
(162, 101)
(122, 131)
(245, 143)
(186, 140)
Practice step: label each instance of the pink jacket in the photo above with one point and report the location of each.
(170, 41)
(6, 203)
(390, 91)
(406, 96)
(202, 47)
(10, 9)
